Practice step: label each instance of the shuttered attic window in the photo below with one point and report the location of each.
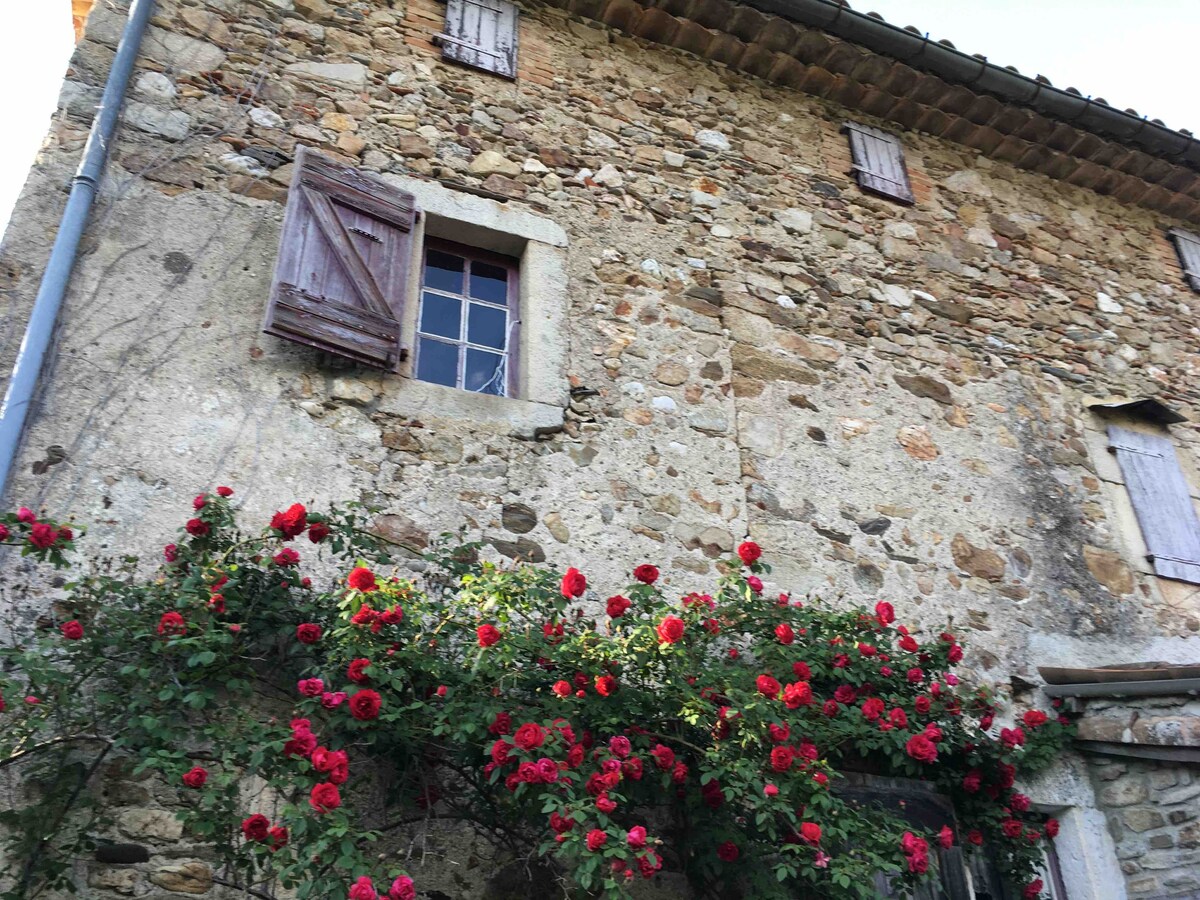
(482, 34)
(879, 162)
(1161, 501)
(1187, 246)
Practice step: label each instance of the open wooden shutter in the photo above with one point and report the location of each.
(879, 162)
(1187, 246)
(1161, 500)
(343, 258)
(483, 34)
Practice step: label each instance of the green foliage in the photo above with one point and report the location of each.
(611, 739)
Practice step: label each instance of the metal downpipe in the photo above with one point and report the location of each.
(39, 332)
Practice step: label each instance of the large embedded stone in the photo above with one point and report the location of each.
(1109, 569)
(518, 518)
(150, 823)
(347, 75)
(917, 443)
(754, 363)
(489, 162)
(977, 561)
(186, 878)
(924, 386)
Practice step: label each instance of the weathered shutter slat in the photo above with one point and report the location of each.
(1161, 501)
(343, 254)
(482, 34)
(879, 162)
(1187, 247)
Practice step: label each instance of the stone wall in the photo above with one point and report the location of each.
(1154, 816)
(888, 398)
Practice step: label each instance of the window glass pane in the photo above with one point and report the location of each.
(489, 283)
(437, 361)
(444, 271)
(485, 372)
(486, 326)
(441, 315)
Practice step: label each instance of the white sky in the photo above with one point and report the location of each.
(1134, 53)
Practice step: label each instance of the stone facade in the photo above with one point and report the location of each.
(888, 398)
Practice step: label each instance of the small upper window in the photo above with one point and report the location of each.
(879, 162)
(482, 34)
(1187, 246)
(467, 322)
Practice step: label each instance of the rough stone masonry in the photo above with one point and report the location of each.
(889, 398)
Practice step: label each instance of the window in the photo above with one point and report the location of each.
(1162, 502)
(482, 34)
(879, 162)
(467, 323)
(434, 285)
(1187, 246)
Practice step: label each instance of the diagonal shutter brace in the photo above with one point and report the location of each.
(447, 39)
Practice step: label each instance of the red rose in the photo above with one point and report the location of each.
(946, 837)
(921, 748)
(784, 633)
(782, 758)
(311, 687)
(845, 694)
(618, 606)
(502, 724)
(909, 643)
(292, 522)
(779, 733)
(325, 797)
(872, 709)
(670, 630)
(645, 573)
(357, 671)
(1052, 828)
(171, 623)
(1019, 802)
(1012, 828)
(317, 532)
(308, 633)
(42, 535)
(286, 557)
(885, 613)
(649, 864)
(362, 579)
(225, 491)
(72, 630)
(363, 889)
(728, 852)
(256, 827)
(573, 583)
(562, 688)
(1012, 738)
(810, 832)
(1033, 889)
(636, 838)
(955, 653)
(605, 685)
(402, 889)
(65, 534)
(530, 736)
(596, 839)
(801, 671)
(365, 704)
(664, 756)
(749, 552)
(755, 584)
(195, 527)
(195, 777)
(767, 686)
(971, 781)
(277, 837)
(1034, 718)
(500, 751)
(25, 514)
(975, 836)
(898, 718)
(922, 704)
(487, 635)
(199, 502)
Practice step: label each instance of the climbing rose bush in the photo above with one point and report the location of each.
(611, 732)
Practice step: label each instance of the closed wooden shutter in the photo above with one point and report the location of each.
(1161, 500)
(483, 34)
(879, 162)
(1187, 245)
(343, 257)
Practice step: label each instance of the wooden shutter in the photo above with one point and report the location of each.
(483, 34)
(1187, 246)
(1161, 500)
(343, 257)
(879, 162)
